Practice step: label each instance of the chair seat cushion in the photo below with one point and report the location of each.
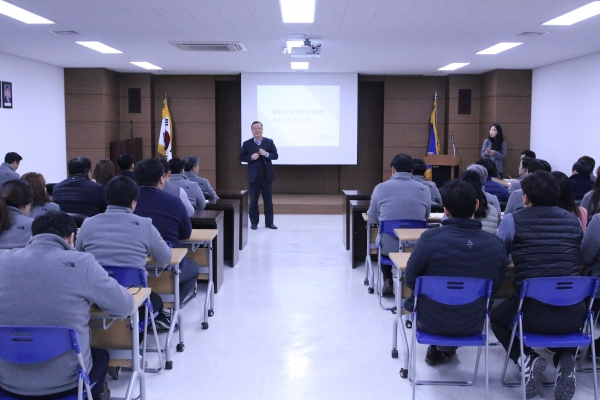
(569, 340)
(477, 339)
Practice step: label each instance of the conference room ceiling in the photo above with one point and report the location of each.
(365, 36)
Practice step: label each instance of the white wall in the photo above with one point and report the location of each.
(35, 126)
(565, 107)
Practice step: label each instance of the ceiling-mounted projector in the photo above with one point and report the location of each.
(308, 50)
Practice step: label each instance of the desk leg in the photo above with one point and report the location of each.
(136, 372)
(209, 301)
(400, 320)
(175, 318)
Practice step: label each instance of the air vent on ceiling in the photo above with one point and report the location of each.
(532, 33)
(210, 46)
(65, 33)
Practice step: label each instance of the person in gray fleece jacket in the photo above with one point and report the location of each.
(47, 283)
(15, 203)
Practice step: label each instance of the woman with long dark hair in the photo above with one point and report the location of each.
(566, 200)
(41, 203)
(104, 171)
(15, 226)
(494, 147)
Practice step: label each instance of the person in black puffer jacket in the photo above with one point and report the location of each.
(78, 194)
(457, 248)
(544, 241)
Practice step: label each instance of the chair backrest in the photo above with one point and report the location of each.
(78, 218)
(560, 291)
(127, 276)
(33, 344)
(453, 290)
(388, 226)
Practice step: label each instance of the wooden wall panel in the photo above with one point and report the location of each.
(465, 128)
(143, 126)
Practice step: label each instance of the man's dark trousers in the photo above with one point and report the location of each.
(261, 184)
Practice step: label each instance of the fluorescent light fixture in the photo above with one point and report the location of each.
(579, 14)
(293, 43)
(453, 66)
(500, 47)
(299, 65)
(101, 47)
(145, 65)
(297, 11)
(22, 15)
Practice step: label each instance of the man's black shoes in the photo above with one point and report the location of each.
(253, 227)
(271, 226)
(436, 356)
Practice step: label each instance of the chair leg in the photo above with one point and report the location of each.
(510, 345)
(413, 363)
(522, 355)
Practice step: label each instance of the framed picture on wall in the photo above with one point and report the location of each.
(7, 95)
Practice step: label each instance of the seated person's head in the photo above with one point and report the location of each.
(528, 153)
(18, 194)
(538, 165)
(13, 159)
(459, 198)
(122, 191)
(104, 171)
(540, 189)
(489, 165)
(402, 163)
(56, 223)
(588, 160)
(125, 162)
(419, 167)
(166, 166)
(582, 167)
(37, 183)
(190, 162)
(149, 172)
(80, 166)
(481, 171)
(176, 165)
(524, 165)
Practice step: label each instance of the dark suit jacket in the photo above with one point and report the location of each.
(249, 148)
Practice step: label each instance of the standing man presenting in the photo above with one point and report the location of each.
(258, 153)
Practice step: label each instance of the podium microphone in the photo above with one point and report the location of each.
(453, 146)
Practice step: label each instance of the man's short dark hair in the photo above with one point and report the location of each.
(419, 166)
(402, 163)
(190, 162)
(54, 222)
(541, 188)
(121, 191)
(148, 172)
(489, 165)
(589, 160)
(12, 157)
(583, 167)
(528, 153)
(525, 162)
(79, 165)
(256, 122)
(165, 164)
(125, 161)
(459, 198)
(176, 165)
(539, 165)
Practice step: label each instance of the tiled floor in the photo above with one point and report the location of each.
(294, 321)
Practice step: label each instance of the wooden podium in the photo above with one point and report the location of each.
(443, 167)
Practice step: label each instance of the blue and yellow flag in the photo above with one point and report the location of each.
(434, 143)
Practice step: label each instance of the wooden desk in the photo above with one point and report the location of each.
(210, 219)
(351, 195)
(358, 229)
(242, 196)
(231, 228)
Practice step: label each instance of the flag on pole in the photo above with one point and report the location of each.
(165, 138)
(434, 143)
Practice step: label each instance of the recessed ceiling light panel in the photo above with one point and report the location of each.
(145, 65)
(297, 11)
(101, 47)
(500, 47)
(299, 65)
(579, 14)
(21, 15)
(453, 66)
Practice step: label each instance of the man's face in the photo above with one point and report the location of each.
(521, 170)
(257, 131)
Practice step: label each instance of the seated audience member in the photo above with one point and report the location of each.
(442, 252)
(528, 153)
(191, 188)
(485, 212)
(516, 184)
(580, 180)
(418, 172)
(168, 216)
(515, 201)
(41, 203)
(543, 241)
(590, 256)
(566, 200)
(9, 167)
(592, 163)
(491, 199)
(72, 281)
(126, 164)
(15, 225)
(401, 197)
(176, 190)
(191, 165)
(78, 194)
(104, 171)
(120, 238)
(591, 200)
(491, 186)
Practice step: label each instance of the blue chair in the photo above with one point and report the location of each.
(136, 277)
(454, 291)
(559, 292)
(387, 228)
(34, 344)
